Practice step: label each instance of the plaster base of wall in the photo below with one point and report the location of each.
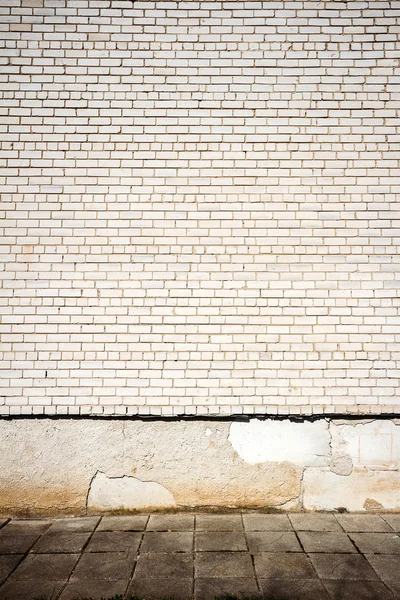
(92, 466)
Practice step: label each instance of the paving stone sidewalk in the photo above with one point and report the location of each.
(202, 556)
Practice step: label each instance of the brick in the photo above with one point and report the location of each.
(199, 223)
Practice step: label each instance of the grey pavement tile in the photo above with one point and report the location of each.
(208, 589)
(26, 527)
(114, 541)
(28, 590)
(387, 566)
(178, 564)
(111, 566)
(54, 567)
(94, 589)
(325, 541)
(123, 523)
(219, 523)
(259, 522)
(8, 562)
(283, 565)
(61, 542)
(393, 521)
(16, 544)
(357, 590)
(152, 588)
(293, 589)
(171, 523)
(343, 566)
(273, 541)
(377, 543)
(218, 541)
(314, 522)
(394, 587)
(223, 564)
(170, 541)
(363, 523)
(74, 524)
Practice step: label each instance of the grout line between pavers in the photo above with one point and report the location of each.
(130, 580)
(81, 553)
(354, 544)
(388, 524)
(339, 523)
(251, 555)
(296, 533)
(377, 574)
(194, 556)
(6, 522)
(324, 587)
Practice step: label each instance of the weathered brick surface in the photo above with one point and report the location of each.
(199, 206)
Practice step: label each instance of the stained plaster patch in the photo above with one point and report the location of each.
(374, 445)
(304, 444)
(359, 491)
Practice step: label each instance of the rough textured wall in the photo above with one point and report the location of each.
(81, 466)
(200, 206)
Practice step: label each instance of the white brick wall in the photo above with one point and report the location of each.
(200, 207)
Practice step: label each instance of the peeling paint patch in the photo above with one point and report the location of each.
(327, 491)
(374, 445)
(127, 493)
(305, 444)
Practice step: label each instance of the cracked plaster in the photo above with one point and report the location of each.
(126, 493)
(262, 463)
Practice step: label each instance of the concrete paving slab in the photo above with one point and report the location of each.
(176, 564)
(114, 541)
(273, 541)
(94, 589)
(74, 524)
(325, 541)
(283, 565)
(223, 564)
(393, 521)
(151, 588)
(210, 588)
(267, 523)
(171, 523)
(293, 589)
(359, 590)
(219, 523)
(26, 526)
(109, 566)
(363, 523)
(394, 587)
(16, 544)
(343, 566)
(387, 566)
(62, 542)
(228, 558)
(40, 567)
(314, 522)
(30, 590)
(377, 543)
(218, 541)
(172, 541)
(8, 562)
(123, 523)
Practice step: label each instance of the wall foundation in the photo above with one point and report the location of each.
(50, 466)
